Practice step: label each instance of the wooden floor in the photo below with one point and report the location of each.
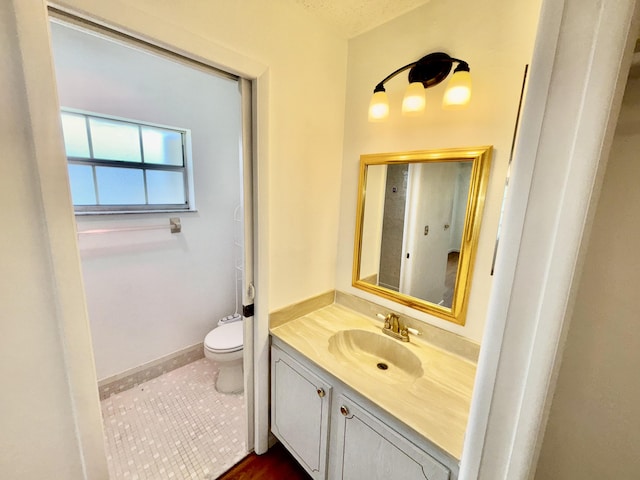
(276, 464)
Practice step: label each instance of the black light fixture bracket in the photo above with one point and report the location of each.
(430, 70)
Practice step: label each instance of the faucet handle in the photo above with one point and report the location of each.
(413, 331)
(387, 324)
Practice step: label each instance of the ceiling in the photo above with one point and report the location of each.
(353, 17)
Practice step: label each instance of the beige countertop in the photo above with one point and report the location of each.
(435, 405)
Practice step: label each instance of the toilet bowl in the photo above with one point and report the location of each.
(223, 345)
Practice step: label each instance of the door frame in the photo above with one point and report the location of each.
(578, 73)
(256, 439)
(248, 162)
(31, 19)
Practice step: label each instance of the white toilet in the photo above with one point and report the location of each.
(223, 345)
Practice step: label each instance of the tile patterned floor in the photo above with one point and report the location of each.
(176, 426)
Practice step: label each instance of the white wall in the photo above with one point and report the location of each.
(594, 426)
(372, 221)
(152, 293)
(49, 410)
(496, 38)
(306, 70)
(29, 349)
(463, 180)
(583, 50)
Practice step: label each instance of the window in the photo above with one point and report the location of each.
(118, 165)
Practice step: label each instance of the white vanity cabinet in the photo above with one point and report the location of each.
(336, 434)
(300, 402)
(369, 449)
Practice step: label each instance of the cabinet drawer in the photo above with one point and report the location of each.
(300, 406)
(369, 449)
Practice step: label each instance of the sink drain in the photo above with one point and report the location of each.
(382, 366)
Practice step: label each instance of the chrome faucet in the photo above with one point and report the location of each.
(394, 328)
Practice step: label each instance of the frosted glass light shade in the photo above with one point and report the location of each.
(378, 107)
(458, 91)
(414, 100)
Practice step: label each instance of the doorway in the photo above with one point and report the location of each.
(153, 294)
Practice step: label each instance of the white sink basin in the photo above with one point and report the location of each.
(376, 354)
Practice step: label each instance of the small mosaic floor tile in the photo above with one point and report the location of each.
(174, 426)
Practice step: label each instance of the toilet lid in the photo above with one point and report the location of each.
(225, 338)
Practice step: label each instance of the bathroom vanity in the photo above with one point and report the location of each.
(349, 402)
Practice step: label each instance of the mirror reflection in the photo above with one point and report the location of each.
(418, 223)
(422, 210)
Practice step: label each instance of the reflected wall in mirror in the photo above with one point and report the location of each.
(417, 227)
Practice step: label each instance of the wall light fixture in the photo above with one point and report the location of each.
(427, 72)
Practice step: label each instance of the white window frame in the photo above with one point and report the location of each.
(186, 169)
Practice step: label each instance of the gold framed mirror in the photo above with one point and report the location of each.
(417, 227)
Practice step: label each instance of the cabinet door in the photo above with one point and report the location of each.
(300, 403)
(368, 449)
